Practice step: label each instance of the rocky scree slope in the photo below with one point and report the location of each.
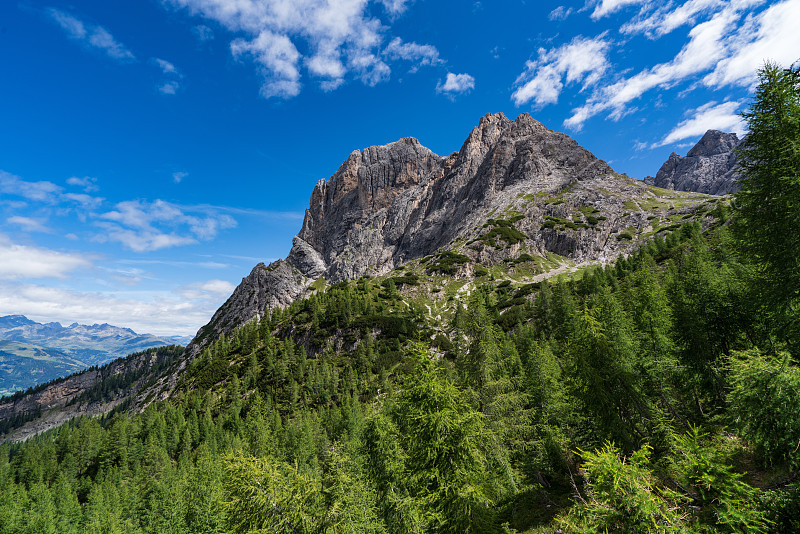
(515, 188)
(709, 167)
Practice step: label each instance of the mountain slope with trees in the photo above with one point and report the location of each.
(657, 393)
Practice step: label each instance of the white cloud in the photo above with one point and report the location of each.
(703, 51)
(165, 66)
(395, 7)
(153, 312)
(420, 55)
(581, 60)
(215, 288)
(456, 83)
(560, 13)
(24, 262)
(142, 226)
(92, 35)
(337, 38)
(606, 7)
(88, 183)
(203, 32)
(38, 191)
(711, 116)
(279, 60)
(29, 224)
(169, 88)
(85, 201)
(178, 177)
(771, 35)
(667, 17)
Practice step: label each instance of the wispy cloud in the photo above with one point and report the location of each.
(88, 183)
(771, 35)
(560, 13)
(582, 60)
(90, 35)
(703, 51)
(455, 84)
(165, 66)
(142, 226)
(606, 7)
(711, 116)
(420, 55)
(171, 84)
(667, 17)
(178, 176)
(41, 191)
(29, 224)
(27, 262)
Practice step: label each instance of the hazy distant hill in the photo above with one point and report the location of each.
(32, 353)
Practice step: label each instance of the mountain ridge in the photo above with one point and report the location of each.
(390, 204)
(56, 350)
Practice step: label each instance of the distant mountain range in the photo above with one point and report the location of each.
(32, 353)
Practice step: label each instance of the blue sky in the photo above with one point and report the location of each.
(153, 151)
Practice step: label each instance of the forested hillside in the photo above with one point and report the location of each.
(657, 394)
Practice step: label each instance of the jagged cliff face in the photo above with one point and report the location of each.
(709, 167)
(391, 204)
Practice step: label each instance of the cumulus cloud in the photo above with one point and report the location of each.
(582, 60)
(26, 262)
(278, 59)
(710, 116)
(178, 177)
(142, 226)
(91, 35)
(338, 38)
(456, 83)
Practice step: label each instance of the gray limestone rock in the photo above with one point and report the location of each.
(709, 167)
(391, 204)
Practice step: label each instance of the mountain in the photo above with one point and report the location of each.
(88, 392)
(709, 167)
(32, 353)
(23, 365)
(515, 189)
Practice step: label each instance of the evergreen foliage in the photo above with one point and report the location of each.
(657, 394)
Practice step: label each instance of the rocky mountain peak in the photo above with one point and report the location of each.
(709, 167)
(389, 205)
(714, 143)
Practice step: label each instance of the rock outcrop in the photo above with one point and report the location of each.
(709, 167)
(388, 205)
